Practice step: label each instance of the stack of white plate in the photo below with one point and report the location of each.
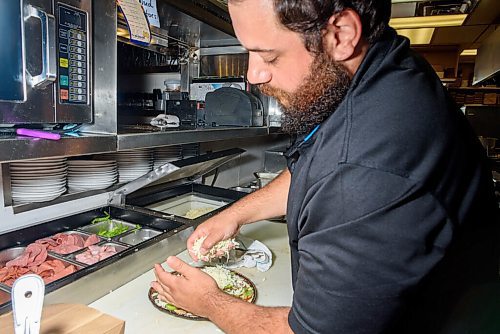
(38, 180)
(91, 174)
(166, 154)
(190, 150)
(131, 164)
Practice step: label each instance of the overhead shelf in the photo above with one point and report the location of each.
(131, 140)
(14, 148)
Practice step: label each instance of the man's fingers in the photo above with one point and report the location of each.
(180, 266)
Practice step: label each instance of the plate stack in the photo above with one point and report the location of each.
(166, 154)
(38, 180)
(91, 174)
(131, 164)
(190, 150)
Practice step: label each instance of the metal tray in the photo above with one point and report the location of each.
(84, 235)
(118, 247)
(11, 253)
(107, 225)
(138, 236)
(186, 205)
(4, 297)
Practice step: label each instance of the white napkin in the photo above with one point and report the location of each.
(249, 260)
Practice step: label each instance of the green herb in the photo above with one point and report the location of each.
(109, 233)
(101, 219)
(137, 227)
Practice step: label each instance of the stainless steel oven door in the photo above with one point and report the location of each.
(27, 62)
(45, 61)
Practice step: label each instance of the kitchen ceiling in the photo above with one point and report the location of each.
(480, 17)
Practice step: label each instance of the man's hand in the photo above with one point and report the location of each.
(193, 291)
(216, 229)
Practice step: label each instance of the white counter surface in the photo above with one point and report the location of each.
(274, 288)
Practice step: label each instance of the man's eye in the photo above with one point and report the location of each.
(272, 61)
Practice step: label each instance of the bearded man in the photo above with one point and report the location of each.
(390, 206)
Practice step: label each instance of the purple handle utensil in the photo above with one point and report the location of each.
(38, 134)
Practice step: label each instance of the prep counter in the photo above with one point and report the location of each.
(274, 288)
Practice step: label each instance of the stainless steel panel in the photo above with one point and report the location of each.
(129, 141)
(22, 148)
(138, 236)
(104, 68)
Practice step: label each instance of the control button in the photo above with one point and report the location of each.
(80, 77)
(63, 62)
(72, 97)
(79, 64)
(79, 43)
(63, 80)
(79, 50)
(79, 57)
(63, 48)
(63, 33)
(64, 94)
(80, 91)
(81, 98)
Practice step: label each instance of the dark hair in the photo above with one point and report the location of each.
(309, 17)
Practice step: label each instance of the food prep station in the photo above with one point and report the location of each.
(150, 218)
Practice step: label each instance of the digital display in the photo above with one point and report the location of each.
(72, 18)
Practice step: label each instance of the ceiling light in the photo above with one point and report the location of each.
(428, 21)
(469, 52)
(417, 36)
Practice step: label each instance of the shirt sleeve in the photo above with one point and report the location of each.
(366, 237)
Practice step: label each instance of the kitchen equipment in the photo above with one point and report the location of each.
(159, 235)
(233, 107)
(178, 195)
(27, 303)
(185, 110)
(202, 86)
(46, 62)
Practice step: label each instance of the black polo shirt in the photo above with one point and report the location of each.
(391, 208)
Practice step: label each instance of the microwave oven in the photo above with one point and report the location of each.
(45, 61)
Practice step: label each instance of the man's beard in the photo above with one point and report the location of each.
(315, 99)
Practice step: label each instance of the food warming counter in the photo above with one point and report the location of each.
(274, 288)
(141, 234)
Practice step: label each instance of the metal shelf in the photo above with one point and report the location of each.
(14, 148)
(130, 140)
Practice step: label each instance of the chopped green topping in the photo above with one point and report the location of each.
(171, 307)
(101, 219)
(109, 233)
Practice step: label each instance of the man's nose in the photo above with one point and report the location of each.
(257, 71)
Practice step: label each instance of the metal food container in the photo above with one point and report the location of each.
(181, 197)
(4, 297)
(108, 226)
(138, 236)
(85, 236)
(187, 205)
(118, 247)
(11, 253)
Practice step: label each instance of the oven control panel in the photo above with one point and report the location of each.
(73, 51)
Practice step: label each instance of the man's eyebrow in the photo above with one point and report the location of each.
(260, 50)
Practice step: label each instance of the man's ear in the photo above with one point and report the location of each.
(342, 35)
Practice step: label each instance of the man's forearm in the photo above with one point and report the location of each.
(268, 202)
(233, 315)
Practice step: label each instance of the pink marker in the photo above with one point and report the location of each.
(38, 134)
